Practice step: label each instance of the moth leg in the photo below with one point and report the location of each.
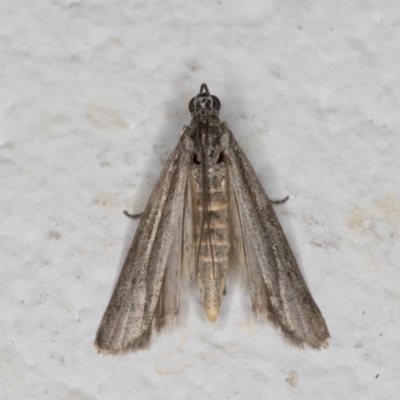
(280, 201)
(133, 216)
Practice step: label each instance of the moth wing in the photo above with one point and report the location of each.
(146, 296)
(277, 287)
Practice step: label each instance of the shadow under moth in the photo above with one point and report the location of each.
(207, 213)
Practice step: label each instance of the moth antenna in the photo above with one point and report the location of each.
(280, 201)
(133, 216)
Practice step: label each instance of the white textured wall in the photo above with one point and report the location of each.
(93, 95)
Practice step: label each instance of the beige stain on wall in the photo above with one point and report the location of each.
(374, 232)
(104, 115)
(106, 199)
(292, 379)
(50, 126)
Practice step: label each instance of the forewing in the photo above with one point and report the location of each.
(276, 283)
(147, 292)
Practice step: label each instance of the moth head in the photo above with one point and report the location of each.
(204, 102)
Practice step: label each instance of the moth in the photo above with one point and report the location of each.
(207, 213)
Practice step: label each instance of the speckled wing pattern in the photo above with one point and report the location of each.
(146, 296)
(278, 290)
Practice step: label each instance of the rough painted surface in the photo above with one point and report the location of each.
(93, 97)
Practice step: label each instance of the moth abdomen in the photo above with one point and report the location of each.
(213, 233)
(220, 251)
